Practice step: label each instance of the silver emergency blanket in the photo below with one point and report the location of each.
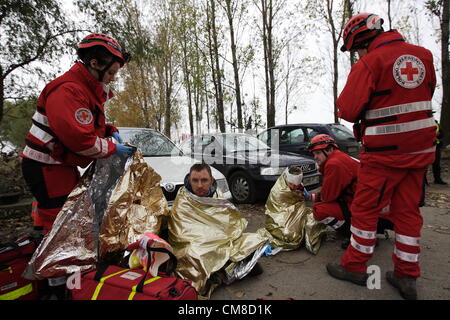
(106, 211)
(289, 222)
(207, 235)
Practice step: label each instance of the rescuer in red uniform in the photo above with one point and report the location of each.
(340, 172)
(69, 130)
(388, 96)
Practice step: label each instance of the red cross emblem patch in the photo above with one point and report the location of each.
(408, 71)
(83, 116)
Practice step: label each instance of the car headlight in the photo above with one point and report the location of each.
(222, 185)
(272, 171)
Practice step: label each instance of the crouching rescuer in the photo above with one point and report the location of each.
(69, 129)
(340, 172)
(388, 95)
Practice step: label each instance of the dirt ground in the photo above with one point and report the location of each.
(302, 276)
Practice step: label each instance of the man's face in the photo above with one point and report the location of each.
(200, 182)
(320, 157)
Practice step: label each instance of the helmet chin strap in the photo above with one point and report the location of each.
(101, 72)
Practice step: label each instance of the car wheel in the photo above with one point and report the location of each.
(242, 187)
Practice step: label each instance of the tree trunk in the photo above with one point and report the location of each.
(445, 107)
(348, 5)
(269, 64)
(335, 55)
(389, 14)
(2, 93)
(168, 102)
(235, 65)
(216, 72)
(187, 85)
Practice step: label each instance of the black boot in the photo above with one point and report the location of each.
(440, 181)
(406, 286)
(338, 272)
(256, 270)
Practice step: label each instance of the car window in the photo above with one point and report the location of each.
(185, 146)
(242, 142)
(292, 136)
(341, 132)
(312, 132)
(152, 143)
(264, 136)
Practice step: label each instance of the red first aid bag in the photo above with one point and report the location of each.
(14, 258)
(111, 282)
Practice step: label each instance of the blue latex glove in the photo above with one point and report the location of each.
(117, 136)
(267, 251)
(124, 150)
(306, 194)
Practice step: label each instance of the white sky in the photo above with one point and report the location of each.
(316, 105)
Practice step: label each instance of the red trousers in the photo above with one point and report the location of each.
(329, 213)
(400, 190)
(50, 185)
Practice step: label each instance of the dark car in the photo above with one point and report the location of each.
(296, 137)
(250, 166)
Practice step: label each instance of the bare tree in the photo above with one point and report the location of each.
(231, 8)
(216, 71)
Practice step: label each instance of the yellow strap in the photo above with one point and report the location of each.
(16, 294)
(102, 280)
(133, 290)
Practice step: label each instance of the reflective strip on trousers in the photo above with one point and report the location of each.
(406, 256)
(363, 233)
(335, 226)
(338, 224)
(360, 247)
(102, 280)
(40, 118)
(400, 127)
(40, 134)
(39, 156)
(16, 294)
(327, 220)
(399, 109)
(429, 150)
(410, 241)
(133, 290)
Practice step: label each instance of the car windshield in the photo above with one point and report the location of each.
(151, 142)
(341, 132)
(242, 142)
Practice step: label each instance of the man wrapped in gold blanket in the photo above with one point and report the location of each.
(289, 222)
(207, 235)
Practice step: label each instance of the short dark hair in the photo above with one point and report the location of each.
(99, 53)
(201, 166)
(330, 147)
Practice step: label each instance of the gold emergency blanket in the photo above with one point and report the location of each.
(289, 222)
(137, 206)
(116, 201)
(207, 234)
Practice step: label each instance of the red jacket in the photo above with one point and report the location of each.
(340, 172)
(69, 125)
(390, 90)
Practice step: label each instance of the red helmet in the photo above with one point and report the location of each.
(321, 141)
(100, 39)
(363, 26)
